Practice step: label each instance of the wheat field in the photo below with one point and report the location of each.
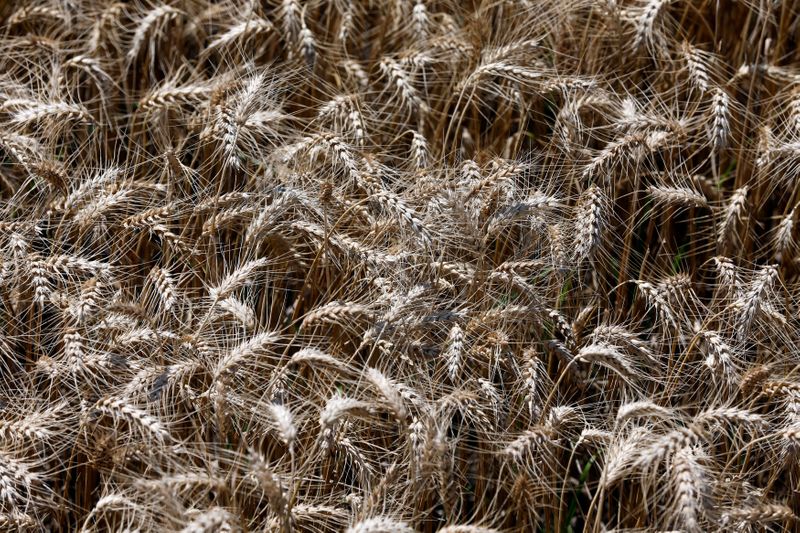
(377, 266)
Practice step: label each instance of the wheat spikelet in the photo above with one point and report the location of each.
(389, 391)
(17, 481)
(728, 275)
(751, 302)
(696, 65)
(346, 114)
(236, 279)
(619, 456)
(620, 336)
(316, 358)
(610, 357)
(643, 408)
(536, 383)
(119, 409)
(645, 23)
(308, 44)
(74, 350)
(336, 408)
(252, 27)
(666, 446)
(19, 521)
(690, 487)
(168, 96)
(731, 416)
(108, 503)
(357, 72)
(22, 148)
(380, 524)
(284, 422)
(761, 514)
(656, 298)
(719, 356)
(783, 240)
(612, 152)
(165, 287)
(346, 24)
(290, 13)
(150, 23)
(399, 79)
(732, 214)
(29, 112)
(589, 221)
(33, 427)
(247, 349)
(396, 206)
(454, 351)
(90, 65)
(419, 147)
(68, 264)
(40, 280)
(334, 313)
(467, 529)
(271, 484)
(720, 127)
(593, 436)
(77, 197)
(215, 519)
(420, 17)
(677, 196)
(27, 13)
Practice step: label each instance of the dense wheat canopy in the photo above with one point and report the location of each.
(399, 265)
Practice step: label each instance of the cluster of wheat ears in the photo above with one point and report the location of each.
(399, 265)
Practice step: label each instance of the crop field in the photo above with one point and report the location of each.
(398, 266)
